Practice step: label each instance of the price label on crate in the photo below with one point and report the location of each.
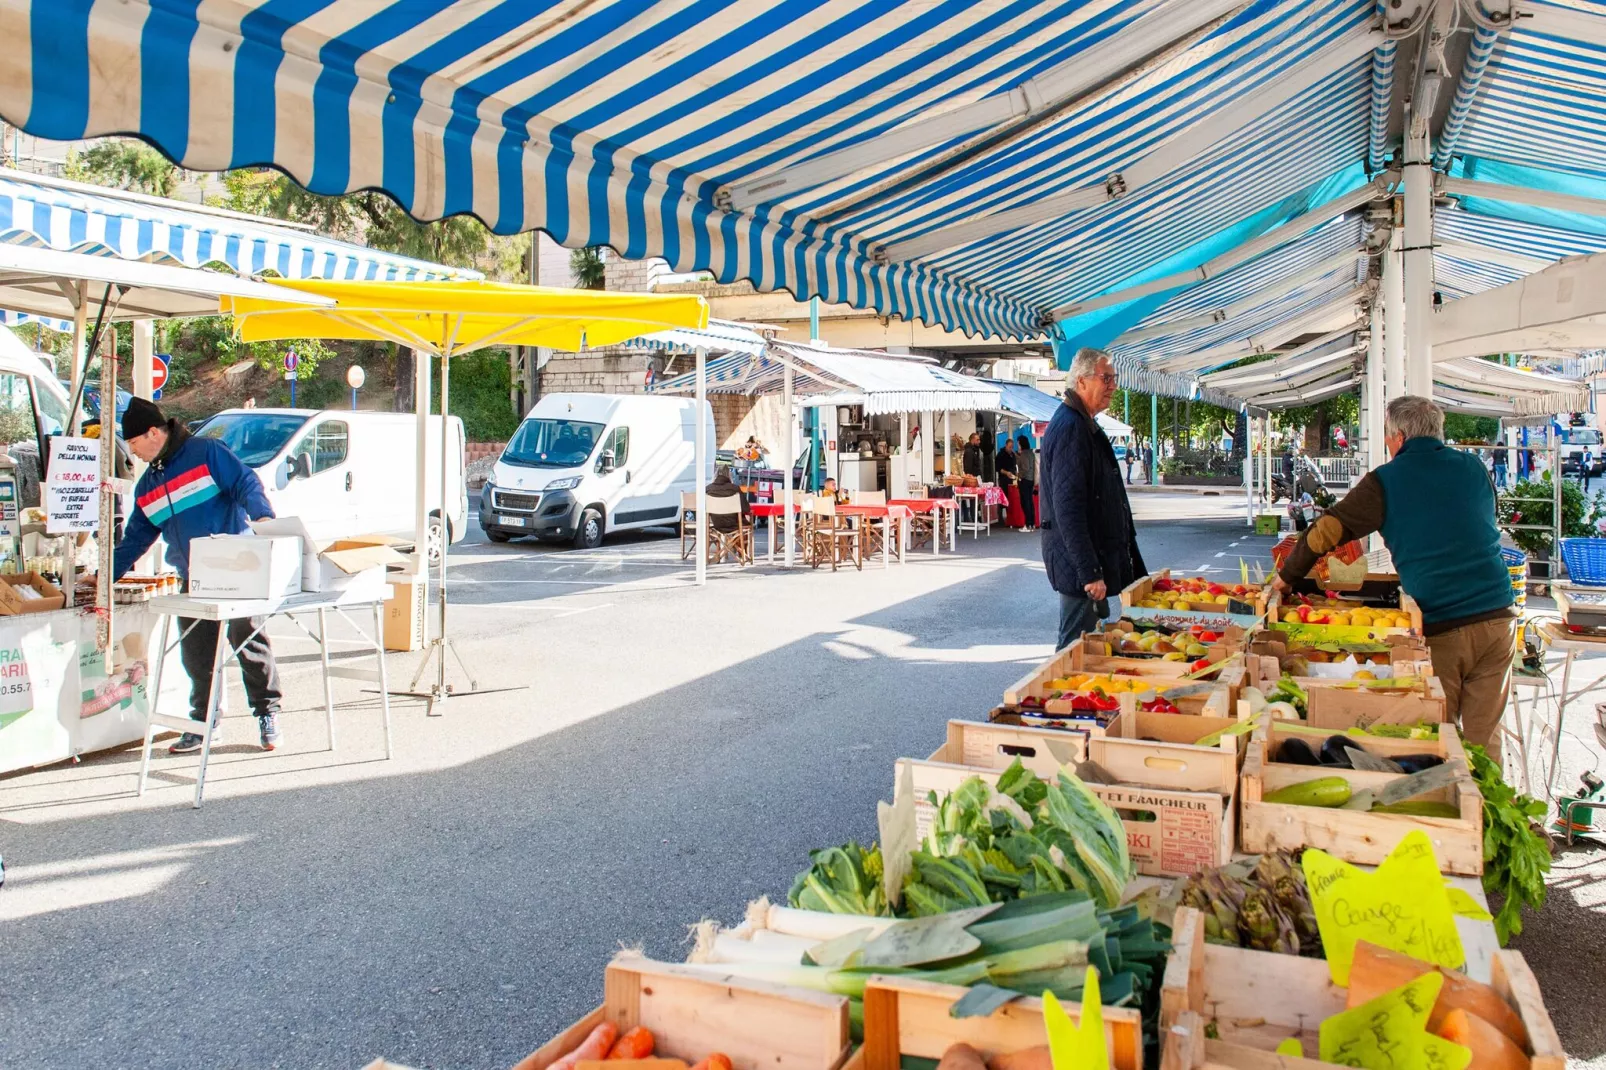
(1404, 906)
(1390, 1032)
(72, 489)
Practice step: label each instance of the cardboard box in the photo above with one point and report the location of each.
(355, 564)
(13, 601)
(404, 613)
(245, 566)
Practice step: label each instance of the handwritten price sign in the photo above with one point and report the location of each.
(72, 491)
(1404, 906)
(1390, 1032)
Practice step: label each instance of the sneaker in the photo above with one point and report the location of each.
(188, 743)
(269, 723)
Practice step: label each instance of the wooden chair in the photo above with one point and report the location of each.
(876, 530)
(688, 523)
(721, 544)
(830, 535)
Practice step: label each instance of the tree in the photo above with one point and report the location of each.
(1318, 419)
(590, 273)
(1459, 427)
(124, 164)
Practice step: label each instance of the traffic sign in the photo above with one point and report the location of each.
(159, 363)
(291, 360)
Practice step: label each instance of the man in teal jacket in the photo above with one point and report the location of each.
(1435, 507)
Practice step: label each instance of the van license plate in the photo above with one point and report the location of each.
(510, 521)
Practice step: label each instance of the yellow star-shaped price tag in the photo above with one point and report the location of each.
(1404, 906)
(1390, 1032)
(1077, 1046)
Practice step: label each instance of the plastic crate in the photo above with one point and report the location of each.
(1267, 523)
(1517, 567)
(1586, 561)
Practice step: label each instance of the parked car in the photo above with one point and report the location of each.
(583, 465)
(348, 473)
(92, 399)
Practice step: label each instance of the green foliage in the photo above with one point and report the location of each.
(1533, 502)
(211, 338)
(588, 270)
(1460, 427)
(124, 164)
(480, 396)
(1516, 850)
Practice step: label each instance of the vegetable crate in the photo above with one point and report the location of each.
(1278, 609)
(1254, 1000)
(693, 1014)
(1101, 652)
(905, 1018)
(1358, 835)
(1030, 693)
(1337, 707)
(1177, 801)
(1143, 588)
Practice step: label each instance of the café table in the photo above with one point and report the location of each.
(776, 514)
(895, 518)
(935, 506)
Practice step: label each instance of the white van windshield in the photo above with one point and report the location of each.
(545, 443)
(255, 438)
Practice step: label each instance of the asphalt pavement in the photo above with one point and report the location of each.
(664, 754)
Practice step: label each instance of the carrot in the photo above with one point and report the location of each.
(716, 1061)
(1377, 970)
(636, 1044)
(1491, 1049)
(594, 1046)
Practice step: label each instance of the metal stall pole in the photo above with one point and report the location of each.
(786, 521)
(421, 458)
(1393, 318)
(440, 574)
(1418, 256)
(702, 463)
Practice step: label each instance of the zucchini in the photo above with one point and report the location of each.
(1419, 808)
(1329, 791)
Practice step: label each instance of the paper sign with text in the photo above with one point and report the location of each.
(1081, 1045)
(1403, 906)
(1390, 1032)
(72, 490)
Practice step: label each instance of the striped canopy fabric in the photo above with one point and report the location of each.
(981, 165)
(70, 217)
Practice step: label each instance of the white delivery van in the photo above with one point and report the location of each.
(581, 465)
(347, 473)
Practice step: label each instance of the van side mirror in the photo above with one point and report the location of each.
(607, 461)
(301, 466)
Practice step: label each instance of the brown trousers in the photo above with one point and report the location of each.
(1474, 665)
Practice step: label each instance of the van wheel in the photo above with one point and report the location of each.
(497, 535)
(588, 533)
(439, 534)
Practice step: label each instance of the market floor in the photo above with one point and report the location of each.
(672, 753)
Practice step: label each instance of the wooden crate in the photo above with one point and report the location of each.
(1339, 632)
(1143, 586)
(1096, 652)
(1359, 707)
(1357, 835)
(1178, 802)
(1077, 658)
(1257, 999)
(692, 1013)
(910, 1018)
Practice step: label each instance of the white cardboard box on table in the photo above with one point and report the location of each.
(245, 566)
(355, 565)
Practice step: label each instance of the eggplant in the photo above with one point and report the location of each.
(1296, 752)
(1415, 763)
(1335, 751)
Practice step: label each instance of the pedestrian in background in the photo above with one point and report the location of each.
(1091, 547)
(1028, 481)
(972, 456)
(1131, 458)
(1148, 463)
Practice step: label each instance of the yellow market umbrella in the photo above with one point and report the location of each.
(448, 319)
(453, 318)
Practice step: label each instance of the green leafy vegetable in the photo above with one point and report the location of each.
(1516, 850)
(842, 880)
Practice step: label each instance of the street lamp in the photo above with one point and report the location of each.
(355, 377)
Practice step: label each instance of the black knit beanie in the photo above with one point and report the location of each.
(140, 417)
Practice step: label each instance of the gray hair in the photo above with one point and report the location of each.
(1414, 417)
(1085, 365)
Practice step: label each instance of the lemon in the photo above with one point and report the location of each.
(1291, 617)
(1183, 605)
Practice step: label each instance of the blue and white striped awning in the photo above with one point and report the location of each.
(944, 162)
(71, 217)
(721, 336)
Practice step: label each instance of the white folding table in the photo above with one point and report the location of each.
(291, 607)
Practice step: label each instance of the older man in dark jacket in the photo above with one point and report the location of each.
(1090, 546)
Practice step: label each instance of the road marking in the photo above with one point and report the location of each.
(1222, 553)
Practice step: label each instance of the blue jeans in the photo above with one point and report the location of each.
(1078, 614)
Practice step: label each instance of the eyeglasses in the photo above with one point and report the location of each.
(1107, 377)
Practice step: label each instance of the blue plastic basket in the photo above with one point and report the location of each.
(1517, 568)
(1586, 561)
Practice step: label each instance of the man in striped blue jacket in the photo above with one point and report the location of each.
(196, 487)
